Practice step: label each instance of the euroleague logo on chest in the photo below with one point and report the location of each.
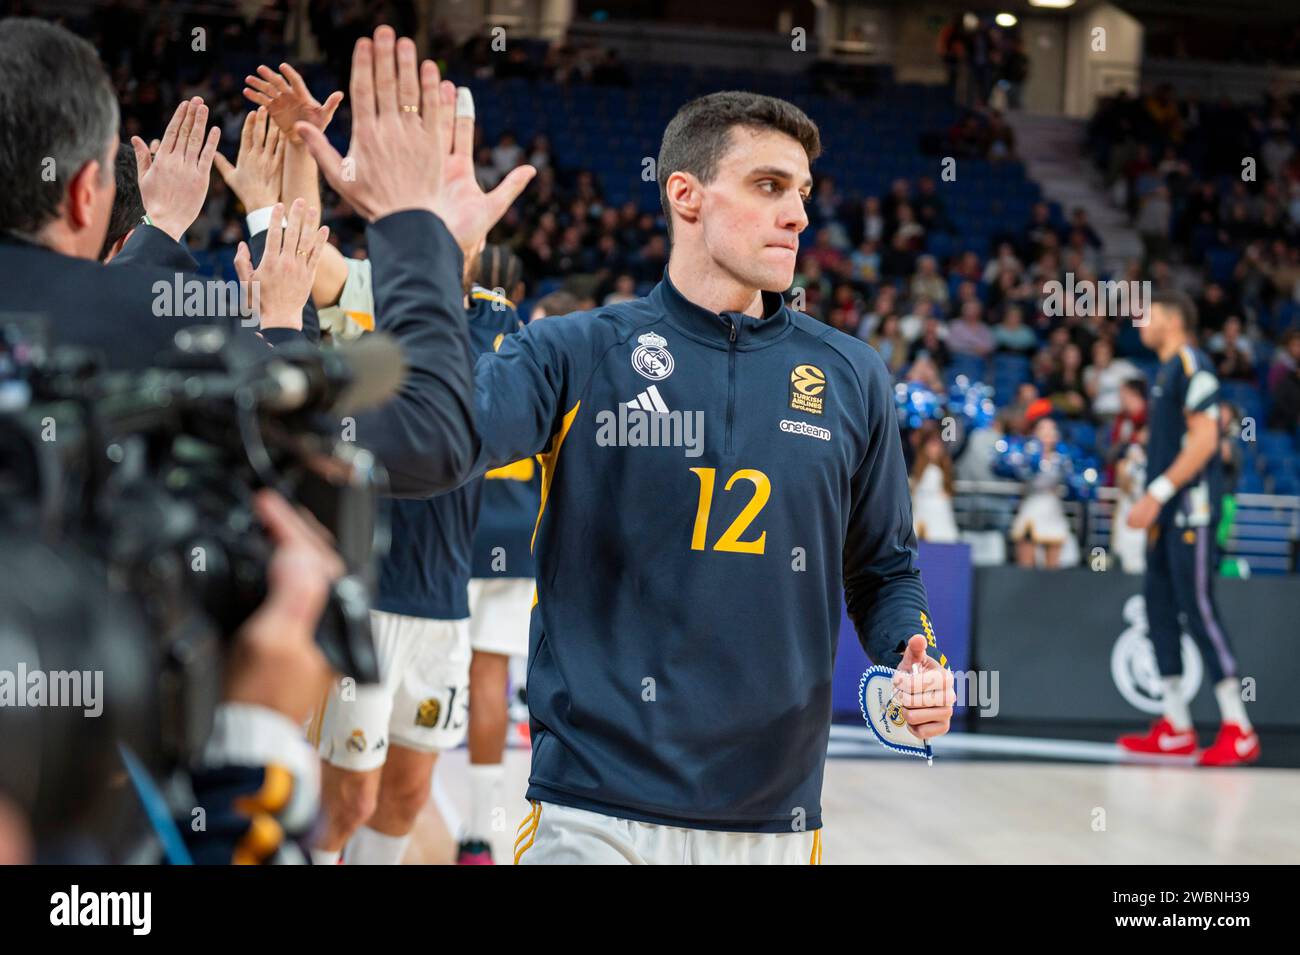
(651, 359)
(807, 382)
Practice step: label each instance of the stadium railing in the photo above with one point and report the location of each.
(1265, 533)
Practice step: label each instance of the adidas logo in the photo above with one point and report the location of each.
(648, 400)
(645, 421)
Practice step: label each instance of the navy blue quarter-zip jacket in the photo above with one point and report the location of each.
(693, 547)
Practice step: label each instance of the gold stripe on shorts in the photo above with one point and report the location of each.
(528, 831)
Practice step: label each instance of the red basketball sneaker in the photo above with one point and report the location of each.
(1232, 747)
(1161, 740)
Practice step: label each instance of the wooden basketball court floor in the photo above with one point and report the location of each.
(1007, 805)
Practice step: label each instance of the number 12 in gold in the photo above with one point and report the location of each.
(730, 540)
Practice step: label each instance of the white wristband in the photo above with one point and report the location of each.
(259, 220)
(1162, 489)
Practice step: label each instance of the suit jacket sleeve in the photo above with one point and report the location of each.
(153, 247)
(424, 435)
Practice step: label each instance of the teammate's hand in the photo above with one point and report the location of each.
(289, 102)
(174, 180)
(394, 161)
(1144, 513)
(275, 661)
(255, 177)
(282, 281)
(926, 696)
(468, 212)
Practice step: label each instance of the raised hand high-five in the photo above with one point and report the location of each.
(288, 100)
(282, 280)
(394, 160)
(255, 176)
(411, 146)
(174, 180)
(925, 691)
(469, 212)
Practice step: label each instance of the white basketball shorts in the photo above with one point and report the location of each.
(559, 835)
(500, 609)
(421, 700)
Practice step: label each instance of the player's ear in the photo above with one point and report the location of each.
(685, 195)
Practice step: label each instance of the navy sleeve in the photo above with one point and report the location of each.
(278, 336)
(882, 586)
(523, 400)
(151, 246)
(423, 436)
(244, 820)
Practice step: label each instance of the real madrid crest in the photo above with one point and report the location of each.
(651, 358)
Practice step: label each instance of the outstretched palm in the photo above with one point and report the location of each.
(288, 101)
(468, 211)
(412, 144)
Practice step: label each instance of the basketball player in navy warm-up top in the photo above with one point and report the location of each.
(1181, 511)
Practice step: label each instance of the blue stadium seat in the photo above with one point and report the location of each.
(1286, 484)
(1083, 434)
(1221, 262)
(1276, 444)
(1250, 483)
(968, 365)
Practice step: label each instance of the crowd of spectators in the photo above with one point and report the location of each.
(1213, 188)
(863, 264)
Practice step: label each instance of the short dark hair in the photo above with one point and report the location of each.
(56, 105)
(1136, 385)
(1179, 302)
(699, 135)
(498, 267)
(558, 302)
(128, 207)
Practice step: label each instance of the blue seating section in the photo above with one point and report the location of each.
(866, 143)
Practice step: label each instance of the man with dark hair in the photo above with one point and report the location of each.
(58, 198)
(1180, 511)
(499, 270)
(128, 207)
(58, 153)
(58, 137)
(697, 138)
(559, 302)
(689, 580)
